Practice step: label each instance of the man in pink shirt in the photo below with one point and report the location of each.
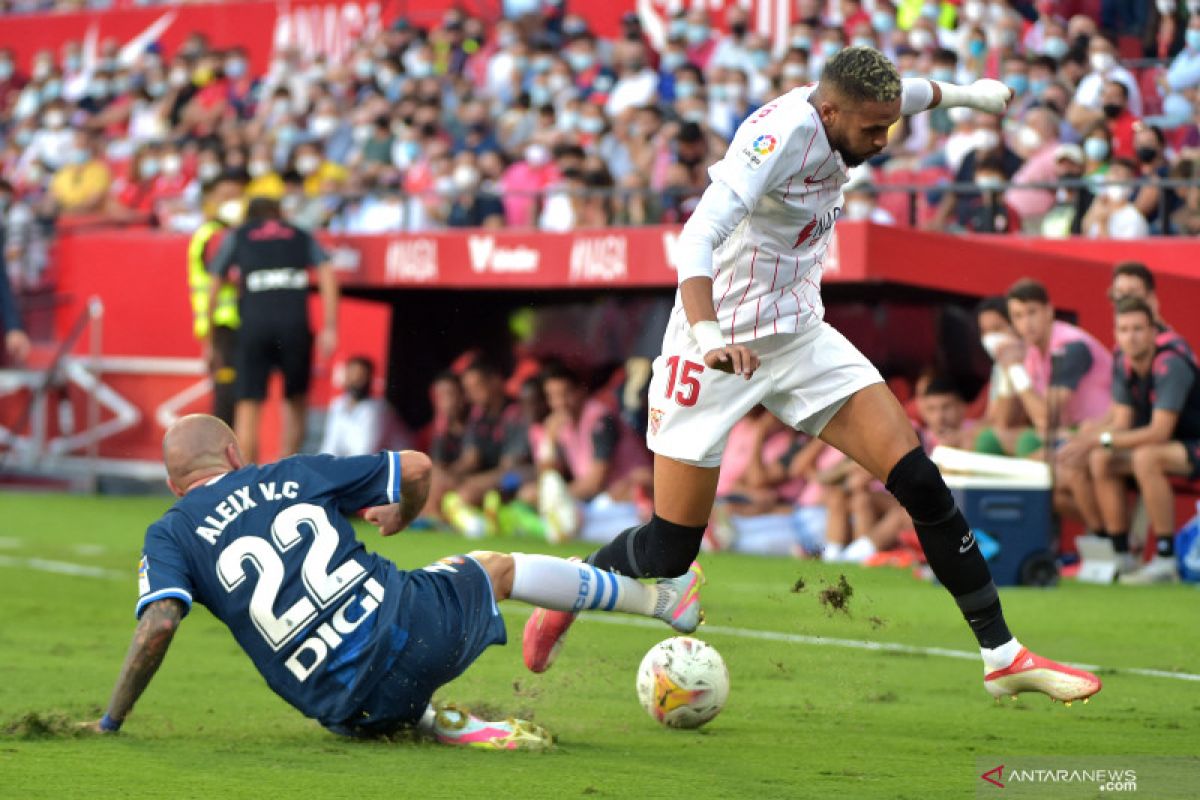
(1037, 142)
(1064, 376)
(522, 183)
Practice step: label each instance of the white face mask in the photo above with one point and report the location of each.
(322, 127)
(1102, 62)
(171, 164)
(537, 155)
(231, 212)
(1117, 194)
(986, 139)
(258, 168)
(920, 39)
(307, 165)
(992, 342)
(1028, 139)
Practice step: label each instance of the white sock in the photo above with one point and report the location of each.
(1000, 657)
(563, 585)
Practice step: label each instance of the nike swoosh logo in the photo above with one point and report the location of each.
(964, 548)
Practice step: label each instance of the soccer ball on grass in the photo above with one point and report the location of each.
(682, 682)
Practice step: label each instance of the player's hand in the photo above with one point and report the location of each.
(387, 518)
(736, 359)
(990, 96)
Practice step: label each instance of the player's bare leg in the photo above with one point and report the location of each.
(295, 424)
(873, 429)
(245, 424)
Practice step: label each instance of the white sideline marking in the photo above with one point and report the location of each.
(860, 644)
(86, 571)
(62, 568)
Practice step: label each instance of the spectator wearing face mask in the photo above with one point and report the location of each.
(1097, 148)
(1183, 76)
(316, 170)
(1037, 143)
(12, 81)
(990, 214)
(1151, 198)
(132, 197)
(1112, 215)
(81, 186)
(471, 207)
(1089, 95)
(958, 207)
(700, 41)
(264, 180)
(52, 142)
(860, 199)
(1065, 217)
(523, 182)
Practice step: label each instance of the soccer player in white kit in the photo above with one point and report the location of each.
(748, 328)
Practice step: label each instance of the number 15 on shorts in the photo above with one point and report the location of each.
(682, 384)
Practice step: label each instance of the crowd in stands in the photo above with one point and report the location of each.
(536, 122)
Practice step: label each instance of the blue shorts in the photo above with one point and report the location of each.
(454, 618)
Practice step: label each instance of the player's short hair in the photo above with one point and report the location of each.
(1135, 305)
(995, 303)
(1135, 269)
(1027, 290)
(862, 73)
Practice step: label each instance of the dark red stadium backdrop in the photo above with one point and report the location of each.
(319, 25)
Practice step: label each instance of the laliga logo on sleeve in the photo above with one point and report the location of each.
(759, 149)
(765, 145)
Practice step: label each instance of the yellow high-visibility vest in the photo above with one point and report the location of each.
(225, 313)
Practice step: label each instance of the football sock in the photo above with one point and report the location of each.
(1120, 542)
(995, 658)
(563, 585)
(658, 549)
(949, 545)
(1164, 545)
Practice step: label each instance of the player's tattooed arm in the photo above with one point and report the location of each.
(151, 639)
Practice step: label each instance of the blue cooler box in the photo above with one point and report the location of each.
(1016, 513)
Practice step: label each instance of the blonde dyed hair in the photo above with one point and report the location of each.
(862, 73)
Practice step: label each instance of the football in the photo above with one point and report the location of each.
(682, 682)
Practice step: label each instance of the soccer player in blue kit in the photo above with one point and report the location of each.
(340, 633)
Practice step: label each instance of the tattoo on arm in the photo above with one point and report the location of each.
(153, 635)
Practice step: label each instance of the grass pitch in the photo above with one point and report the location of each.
(803, 719)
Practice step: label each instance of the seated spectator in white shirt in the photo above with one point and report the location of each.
(357, 424)
(1112, 215)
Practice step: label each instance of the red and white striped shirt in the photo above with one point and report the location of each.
(767, 272)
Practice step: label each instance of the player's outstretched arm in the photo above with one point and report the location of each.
(986, 95)
(151, 639)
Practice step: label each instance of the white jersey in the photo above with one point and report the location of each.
(767, 273)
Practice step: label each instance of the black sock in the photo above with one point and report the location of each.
(658, 549)
(1120, 542)
(949, 545)
(1164, 546)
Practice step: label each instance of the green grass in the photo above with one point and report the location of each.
(802, 720)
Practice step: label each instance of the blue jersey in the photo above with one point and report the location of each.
(270, 552)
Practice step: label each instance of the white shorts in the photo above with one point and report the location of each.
(803, 379)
